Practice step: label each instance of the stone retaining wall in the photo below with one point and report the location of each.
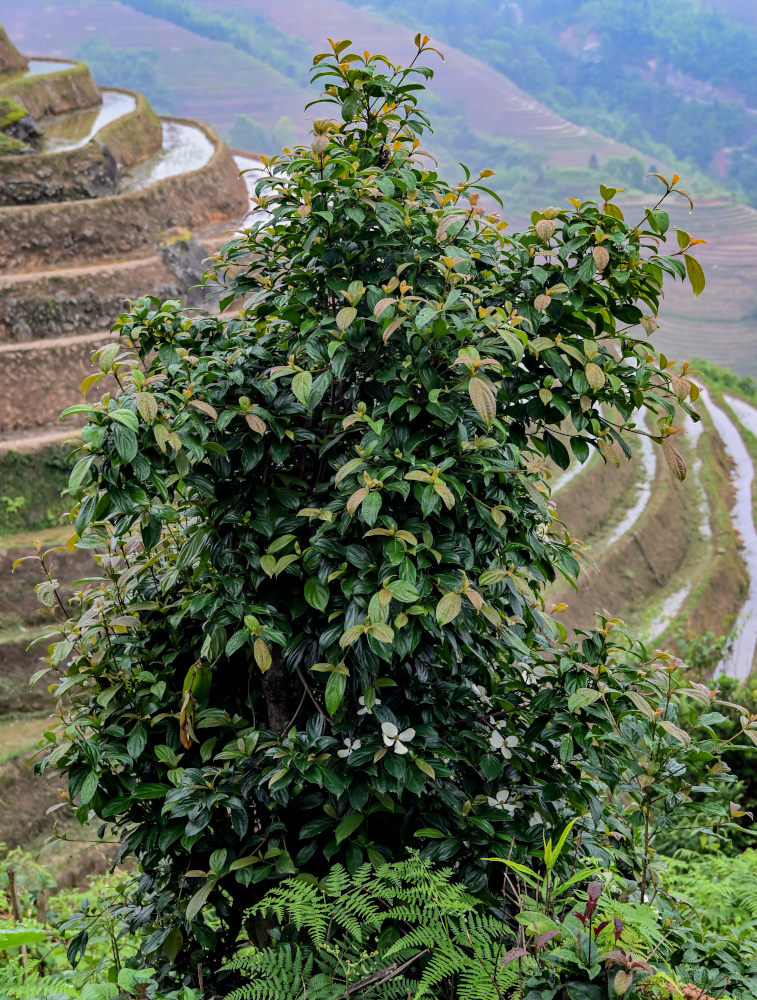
(91, 171)
(133, 137)
(55, 305)
(81, 232)
(40, 382)
(69, 89)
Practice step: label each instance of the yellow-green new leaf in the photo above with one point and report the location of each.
(347, 468)
(345, 317)
(445, 493)
(302, 383)
(425, 767)
(448, 608)
(351, 635)
(262, 655)
(695, 273)
(594, 376)
(483, 399)
(380, 632)
(268, 564)
(147, 406)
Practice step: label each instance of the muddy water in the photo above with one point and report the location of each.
(76, 128)
(570, 473)
(738, 662)
(185, 148)
(648, 455)
(37, 66)
(253, 169)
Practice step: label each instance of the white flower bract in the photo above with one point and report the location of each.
(365, 710)
(394, 738)
(349, 746)
(501, 801)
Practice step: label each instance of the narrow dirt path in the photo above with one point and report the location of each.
(30, 442)
(51, 343)
(82, 270)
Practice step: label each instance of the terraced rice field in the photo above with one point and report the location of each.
(671, 558)
(720, 325)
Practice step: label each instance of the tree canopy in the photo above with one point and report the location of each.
(324, 533)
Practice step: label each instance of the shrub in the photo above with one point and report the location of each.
(324, 533)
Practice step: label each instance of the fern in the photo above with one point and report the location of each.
(401, 931)
(641, 926)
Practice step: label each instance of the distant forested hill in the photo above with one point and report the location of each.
(678, 77)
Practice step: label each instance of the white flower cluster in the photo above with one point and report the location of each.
(349, 747)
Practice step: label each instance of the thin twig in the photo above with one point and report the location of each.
(304, 682)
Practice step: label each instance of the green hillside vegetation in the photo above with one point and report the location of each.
(566, 54)
(30, 490)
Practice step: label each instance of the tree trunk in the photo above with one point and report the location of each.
(281, 696)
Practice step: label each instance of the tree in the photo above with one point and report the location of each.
(324, 533)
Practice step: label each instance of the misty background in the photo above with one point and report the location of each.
(553, 95)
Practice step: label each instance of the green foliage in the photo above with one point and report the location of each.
(248, 134)
(397, 931)
(10, 113)
(725, 379)
(126, 66)
(702, 653)
(68, 942)
(32, 483)
(721, 951)
(323, 531)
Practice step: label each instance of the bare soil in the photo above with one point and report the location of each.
(664, 548)
(26, 822)
(17, 665)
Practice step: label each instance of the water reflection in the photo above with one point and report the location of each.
(76, 128)
(185, 148)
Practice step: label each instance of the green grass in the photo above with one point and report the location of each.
(31, 484)
(21, 735)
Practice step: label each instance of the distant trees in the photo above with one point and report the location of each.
(567, 53)
(248, 134)
(127, 67)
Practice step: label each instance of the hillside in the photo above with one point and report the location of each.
(665, 555)
(539, 156)
(234, 535)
